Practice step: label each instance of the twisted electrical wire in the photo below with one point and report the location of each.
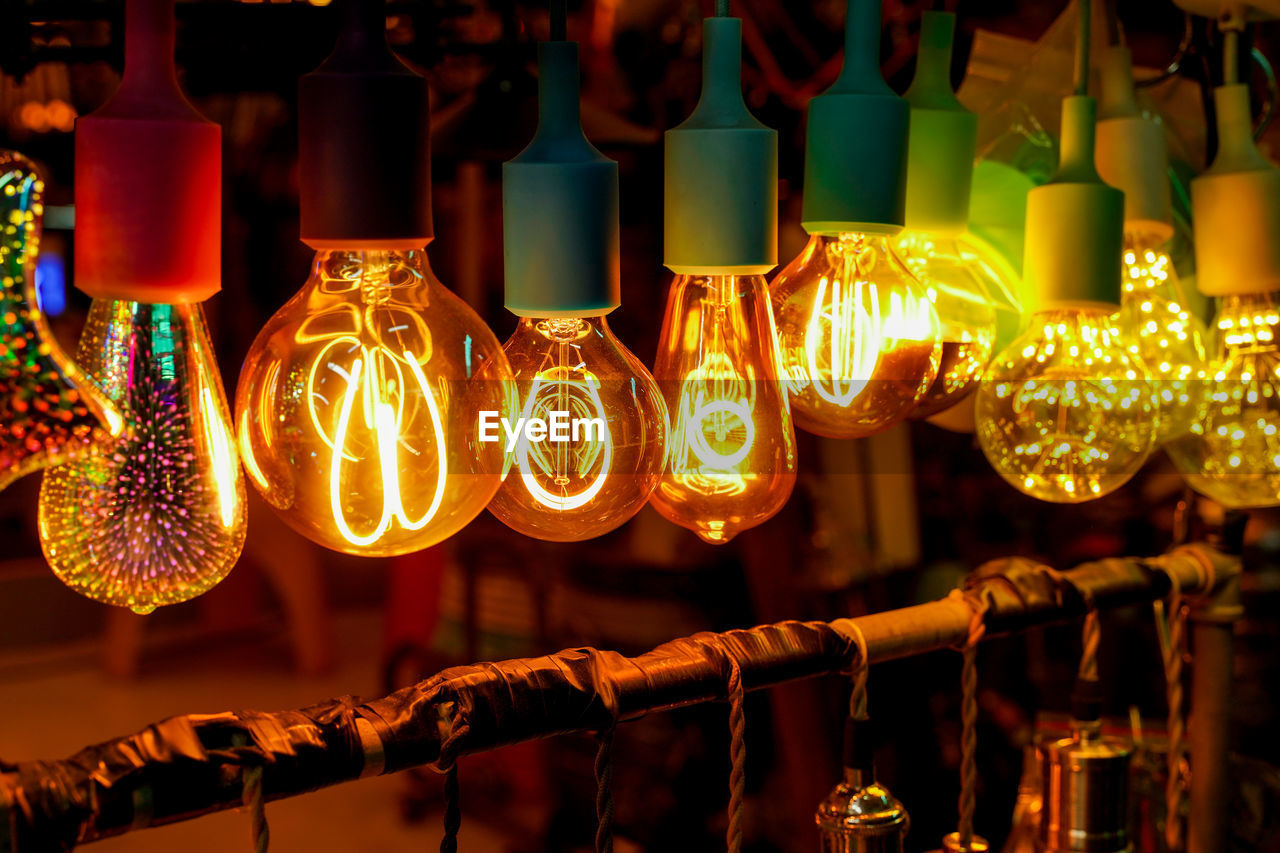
(1170, 625)
(604, 792)
(737, 756)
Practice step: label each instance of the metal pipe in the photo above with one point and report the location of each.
(187, 766)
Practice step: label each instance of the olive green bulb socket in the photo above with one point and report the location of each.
(1131, 153)
(1075, 223)
(720, 172)
(1236, 207)
(560, 206)
(855, 171)
(943, 136)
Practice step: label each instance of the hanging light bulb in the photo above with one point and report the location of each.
(586, 447)
(359, 401)
(159, 517)
(49, 410)
(1231, 450)
(960, 283)
(731, 458)
(1065, 413)
(857, 332)
(1154, 314)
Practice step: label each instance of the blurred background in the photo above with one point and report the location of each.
(874, 524)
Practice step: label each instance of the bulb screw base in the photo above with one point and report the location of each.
(721, 172)
(560, 206)
(855, 180)
(943, 136)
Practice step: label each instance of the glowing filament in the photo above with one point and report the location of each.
(554, 390)
(853, 334)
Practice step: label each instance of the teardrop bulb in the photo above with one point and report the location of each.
(358, 405)
(598, 453)
(858, 335)
(731, 455)
(159, 516)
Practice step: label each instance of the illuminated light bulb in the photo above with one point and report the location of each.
(158, 517)
(1154, 315)
(857, 333)
(1065, 413)
(1231, 450)
(597, 455)
(958, 284)
(358, 406)
(49, 410)
(1162, 332)
(731, 458)
(731, 454)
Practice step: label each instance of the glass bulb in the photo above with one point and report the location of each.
(959, 285)
(598, 453)
(359, 401)
(1065, 413)
(1231, 450)
(857, 333)
(159, 516)
(1162, 332)
(731, 455)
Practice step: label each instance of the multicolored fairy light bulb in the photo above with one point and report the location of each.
(50, 412)
(159, 516)
(1065, 413)
(359, 401)
(731, 456)
(858, 335)
(1231, 450)
(959, 280)
(586, 447)
(1154, 313)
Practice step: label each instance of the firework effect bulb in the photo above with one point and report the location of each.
(599, 457)
(358, 406)
(159, 516)
(731, 458)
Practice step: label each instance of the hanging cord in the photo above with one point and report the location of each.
(1171, 628)
(252, 797)
(1091, 637)
(978, 604)
(604, 792)
(1082, 46)
(858, 698)
(452, 794)
(559, 20)
(737, 755)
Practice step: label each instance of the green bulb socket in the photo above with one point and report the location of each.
(1075, 223)
(721, 172)
(560, 206)
(855, 171)
(943, 137)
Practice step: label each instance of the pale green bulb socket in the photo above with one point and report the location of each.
(855, 171)
(943, 136)
(721, 172)
(1075, 223)
(560, 206)
(1236, 207)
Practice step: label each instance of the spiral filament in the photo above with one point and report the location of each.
(842, 342)
(49, 411)
(358, 403)
(564, 474)
(731, 454)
